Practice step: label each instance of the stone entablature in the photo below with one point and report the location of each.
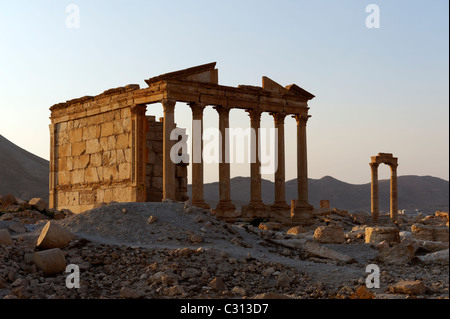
(115, 132)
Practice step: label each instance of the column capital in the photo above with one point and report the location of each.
(222, 110)
(197, 109)
(278, 117)
(301, 118)
(255, 115)
(374, 165)
(168, 105)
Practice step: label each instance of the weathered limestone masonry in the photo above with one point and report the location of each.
(154, 166)
(105, 148)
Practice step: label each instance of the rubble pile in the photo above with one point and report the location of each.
(175, 250)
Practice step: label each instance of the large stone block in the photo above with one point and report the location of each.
(64, 178)
(91, 175)
(81, 162)
(110, 173)
(118, 127)
(78, 148)
(122, 194)
(120, 156)
(91, 132)
(430, 232)
(76, 135)
(378, 234)
(109, 158)
(128, 155)
(123, 141)
(126, 125)
(78, 176)
(332, 234)
(124, 171)
(88, 197)
(95, 160)
(125, 113)
(64, 150)
(93, 146)
(107, 129)
(65, 164)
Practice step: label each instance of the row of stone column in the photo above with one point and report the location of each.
(225, 208)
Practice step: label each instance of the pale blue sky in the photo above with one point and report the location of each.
(377, 90)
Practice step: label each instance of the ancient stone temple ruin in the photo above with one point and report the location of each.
(392, 162)
(105, 148)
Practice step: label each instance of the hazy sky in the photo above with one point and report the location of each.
(377, 89)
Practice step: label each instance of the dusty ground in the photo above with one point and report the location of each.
(188, 253)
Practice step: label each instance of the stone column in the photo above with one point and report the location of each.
(256, 207)
(169, 182)
(393, 199)
(280, 210)
(374, 192)
(255, 166)
(53, 202)
(225, 208)
(197, 155)
(301, 210)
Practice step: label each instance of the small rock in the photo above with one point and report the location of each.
(152, 220)
(6, 216)
(437, 257)
(18, 228)
(382, 245)
(408, 287)
(59, 215)
(128, 293)
(296, 230)
(217, 284)
(239, 291)
(271, 295)
(8, 200)
(362, 293)
(283, 280)
(5, 237)
(124, 211)
(268, 272)
(398, 254)
(38, 203)
(269, 226)
(196, 238)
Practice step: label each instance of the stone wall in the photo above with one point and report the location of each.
(154, 167)
(93, 157)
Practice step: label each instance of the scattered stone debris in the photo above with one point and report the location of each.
(175, 250)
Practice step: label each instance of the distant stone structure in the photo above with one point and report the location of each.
(105, 148)
(388, 159)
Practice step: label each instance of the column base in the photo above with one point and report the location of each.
(226, 211)
(280, 213)
(302, 213)
(254, 210)
(200, 204)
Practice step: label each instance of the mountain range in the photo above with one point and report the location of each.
(25, 175)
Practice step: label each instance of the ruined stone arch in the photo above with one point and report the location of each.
(392, 162)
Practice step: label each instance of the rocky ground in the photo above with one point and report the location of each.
(173, 250)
